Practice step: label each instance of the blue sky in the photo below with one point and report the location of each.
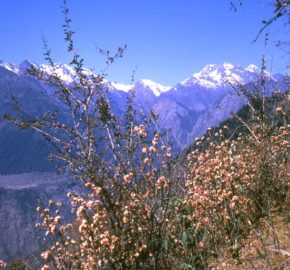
(167, 40)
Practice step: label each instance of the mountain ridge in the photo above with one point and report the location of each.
(210, 76)
(185, 111)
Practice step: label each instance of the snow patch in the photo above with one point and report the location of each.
(122, 87)
(156, 88)
(215, 76)
(62, 71)
(252, 68)
(9, 66)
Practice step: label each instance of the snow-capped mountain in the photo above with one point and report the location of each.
(185, 110)
(207, 98)
(212, 76)
(156, 88)
(68, 75)
(215, 76)
(63, 71)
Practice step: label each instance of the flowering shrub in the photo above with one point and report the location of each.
(232, 184)
(147, 221)
(121, 222)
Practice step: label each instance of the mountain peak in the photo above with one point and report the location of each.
(252, 68)
(228, 65)
(156, 88)
(63, 71)
(121, 87)
(9, 66)
(214, 75)
(25, 66)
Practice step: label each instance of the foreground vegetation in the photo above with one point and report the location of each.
(226, 207)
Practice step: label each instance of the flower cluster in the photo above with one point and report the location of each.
(231, 183)
(149, 211)
(2, 264)
(140, 130)
(120, 221)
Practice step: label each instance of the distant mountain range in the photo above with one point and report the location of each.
(185, 111)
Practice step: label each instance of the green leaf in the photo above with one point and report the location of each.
(184, 238)
(165, 245)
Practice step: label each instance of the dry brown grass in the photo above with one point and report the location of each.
(267, 247)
